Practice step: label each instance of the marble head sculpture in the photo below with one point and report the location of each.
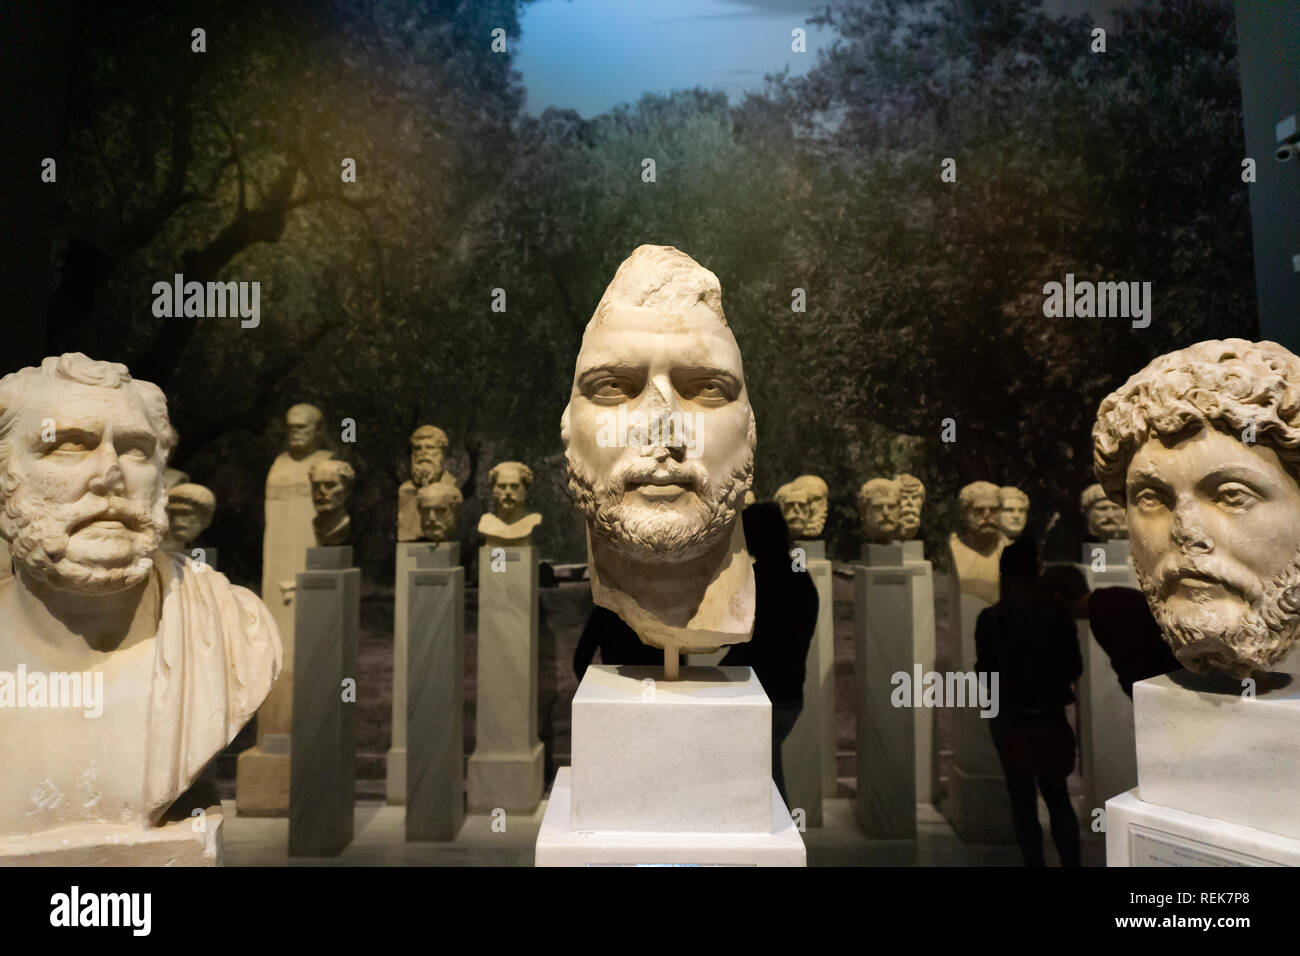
(1106, 519)
(911, 497)
(331, 484)
(428, 450)
(189, 512)
(509, 523)
(880, 505)
(977, 548)
(184, 657)
(662, 496)
(1014, 511)
(439, 507)
(1203, 448)
(803, 504)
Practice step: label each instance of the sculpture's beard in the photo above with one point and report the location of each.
(816, 518)
(909, 523)
(651, 532)
(424, 472)
(1204, 638)
(797, 522)
(1109, 530)
(39, 534)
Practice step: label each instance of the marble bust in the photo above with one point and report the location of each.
(803, 503)
(911, 497)
(439, 508)
(1014, 512)
(508, 524)
(880, 507)
(977, 548)
(1106, 519)
(666, 546)
(428, 449)
(1203, 447)
(331, 484)
(182, 657)
(189, 512)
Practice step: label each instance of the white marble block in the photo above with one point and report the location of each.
(435, 760)
(506, 768)
(322, 769)
(821, 571)
(411, 556)
(886, 800)
(1204, 748)
(690, 755)
(187, 841)
(1144, 834)
(1103, 556)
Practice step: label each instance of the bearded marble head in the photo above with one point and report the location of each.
(981, 515)
(880, 506)
(190, 509)
(83, 447)
(1106, 519)
(803, 504)
(911, 496)
(428, 448)
(1203, 448)
(439, 507)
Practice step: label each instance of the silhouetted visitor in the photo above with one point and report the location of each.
(1031, 642)
(1121, 621)
(785, 620)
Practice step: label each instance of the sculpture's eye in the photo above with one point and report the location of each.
(1148, 499)
(1235, 496)
(616, 388)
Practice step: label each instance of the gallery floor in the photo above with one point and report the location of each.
(380, 839)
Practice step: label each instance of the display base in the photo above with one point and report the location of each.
(979, 808)
(510, 782)
(174, 843)
(558, 845)
(1144, 834)
(262, 783)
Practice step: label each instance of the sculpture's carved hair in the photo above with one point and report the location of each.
(311, 411)
(1011, 491)
(426, 432)
(1091, 495)
(808, 484)
(77, 367)
(332, 468)
(910, 484)
(438, 493)
(663, 278)
(877, 488)
(200, 497)
(525, 473)
(1227, 384)
(976, 489)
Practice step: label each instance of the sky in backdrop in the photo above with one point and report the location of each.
(591, 55)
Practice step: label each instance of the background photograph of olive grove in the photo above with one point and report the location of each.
(923, 298)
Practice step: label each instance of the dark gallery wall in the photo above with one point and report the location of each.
(1268, 40)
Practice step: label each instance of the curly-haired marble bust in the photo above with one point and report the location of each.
(1203, 448)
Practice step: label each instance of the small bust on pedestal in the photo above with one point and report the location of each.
(331, 483)
(880, 507)
(1014, 513)
(1106, 519)
(428, 449)
(977, 548)
(803, 504)
(439, 509)
(911, 497)
(189, 512)
(508, 524)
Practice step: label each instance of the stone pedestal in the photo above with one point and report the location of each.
(1107, 746)
(1218, 774)
(435, 704)
(884, 641)
(923, 653)
(506, 768)
(978, 807)
(669, 772)
(411, 556)
(262, 771)
(322, 779)
(805, 749)
(821, 572)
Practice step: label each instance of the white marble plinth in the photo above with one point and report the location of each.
(812, 550)
(820, 570)
(883, 644)
(506, 768)
(322, 770)
(883, 555)
(558, 844)
(1204, 748)
(435, 760)
(690, 755)
(803, 751)
(1103, 556)
(1146, 834)
(923, 653)
(411, 556)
